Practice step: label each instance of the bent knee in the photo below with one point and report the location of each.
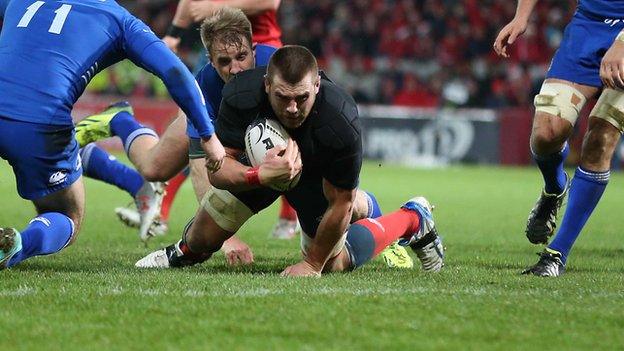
(561, 100)
(549, 133)
(157, 173)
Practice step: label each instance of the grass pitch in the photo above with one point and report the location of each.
(90, 297)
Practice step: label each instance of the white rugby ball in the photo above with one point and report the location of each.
(261, 136)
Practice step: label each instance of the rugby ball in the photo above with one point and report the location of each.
(261, 136)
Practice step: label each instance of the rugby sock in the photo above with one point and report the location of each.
(585, 192)
(367, 237)
(171, 190)
(46, 234)
(126, 127)
(287, 211)
(374, 210)
(551, 167)
(99, 164)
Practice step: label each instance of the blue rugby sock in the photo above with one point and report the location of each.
(374, 210)
(551, 167)
(585, 192)
(99, 164)
(46, 234)
(126, 127)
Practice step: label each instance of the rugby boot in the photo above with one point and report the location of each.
(425, 242)
(97, 127)
(395, 256)
(542, 220)
(285, 229)
(549, 265)
(10, 244)
(131, 217)
(170, 257)
(148, 202)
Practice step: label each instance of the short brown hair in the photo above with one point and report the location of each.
(293, 62)
(227, 26)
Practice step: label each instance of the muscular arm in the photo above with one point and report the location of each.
(180, 83)
(182, 17)
(280, 164)
(332, 226)
(231, 176)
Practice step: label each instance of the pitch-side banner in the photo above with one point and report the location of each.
(430, 137)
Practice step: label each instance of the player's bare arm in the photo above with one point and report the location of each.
(515, 28)
(181, 21)
(612, 64)
(330, 230)
(276, 168)
(200, 9)
(214, 152)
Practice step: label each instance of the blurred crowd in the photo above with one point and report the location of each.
(417, 53)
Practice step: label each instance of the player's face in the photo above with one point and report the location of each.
(229, 58)
(292, 103)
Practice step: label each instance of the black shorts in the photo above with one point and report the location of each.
(195, 149)
(307, 199)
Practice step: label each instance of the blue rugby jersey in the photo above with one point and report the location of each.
(50, 50)
(607, 9)
(211, 84)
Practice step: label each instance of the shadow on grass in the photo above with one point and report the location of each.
(125, 263)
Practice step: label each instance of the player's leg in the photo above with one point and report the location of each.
(220, 215)
(46, 163)
(171, 191)
(287, 225)
(556, 109)
(590, 180)
(235, 250)
(160, 160)
(412, 225)
(198, 171)
(99, 164)
(155, 160)
(366, 206)
(131, 216)
(56, 225)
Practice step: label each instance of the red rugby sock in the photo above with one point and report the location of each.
(287, 211)
(390, 227)
(170, 193)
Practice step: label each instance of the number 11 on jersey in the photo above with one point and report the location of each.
(57, 23)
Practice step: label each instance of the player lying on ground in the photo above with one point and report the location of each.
(573, 77)
(227, 38)
(325, 152)
(67, 43)
(266, 30)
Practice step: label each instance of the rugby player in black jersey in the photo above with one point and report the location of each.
(326, 147)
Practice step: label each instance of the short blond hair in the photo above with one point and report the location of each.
(227, 26)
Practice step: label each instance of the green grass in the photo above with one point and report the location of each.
(91, 297)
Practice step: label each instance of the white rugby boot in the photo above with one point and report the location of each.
(426, 243)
